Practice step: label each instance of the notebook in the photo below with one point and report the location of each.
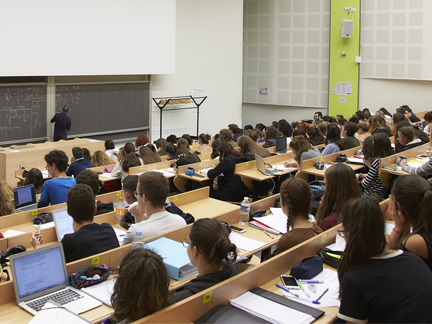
(40, 275)
(261, 166)
(25, 198)
(63, 223)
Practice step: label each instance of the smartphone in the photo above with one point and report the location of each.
(237, 229)
(289, 282)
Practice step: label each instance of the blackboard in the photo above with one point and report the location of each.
(23, 112)
(104, 108)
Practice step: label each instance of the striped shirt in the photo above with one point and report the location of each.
(424, 171)
(372, 184)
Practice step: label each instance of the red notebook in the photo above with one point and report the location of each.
(262, 226)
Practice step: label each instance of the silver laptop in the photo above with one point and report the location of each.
(40, 275)
(63, 223)
(25, 198)
(261, 166)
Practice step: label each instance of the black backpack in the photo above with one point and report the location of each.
(172, 208)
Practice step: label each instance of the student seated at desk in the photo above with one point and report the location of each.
(411, 207)
(225, 136)
(334, 142)
(129, 187)
(408, 139)
(185, 157)
(99, 158)
(230, 185)
(54, 191)
(78, 163)
(249, 148)
(129, 160)
(203, 141)
(141, 140)
(348, 131)
(379, 284)
(363, 128)
(151, 192)
(110, 150)
(89, 237)
(424, 171)
(6, 197)
(295, 201)
(340, 186)
(34, 176)
(161, 145)
(270, 137)
(212, 253)
(182, 143)
(315, 136)
(171, 152)
(302, 150)
(375, 148)
(147, 156)
(141, 287)
(91, 179)
(215, 153)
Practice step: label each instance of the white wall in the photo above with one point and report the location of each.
(377, 93)
(208, 56)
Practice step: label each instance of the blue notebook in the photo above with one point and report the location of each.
(175, 257)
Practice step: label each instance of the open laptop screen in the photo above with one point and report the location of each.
(63, 223)
(39, 271)
(24, 196)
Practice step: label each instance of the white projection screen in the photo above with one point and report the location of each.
(87, 37)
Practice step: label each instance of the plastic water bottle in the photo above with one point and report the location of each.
(137, 242)
(120, 210)
(244, 211)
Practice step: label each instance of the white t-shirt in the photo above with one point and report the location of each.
(157, 223)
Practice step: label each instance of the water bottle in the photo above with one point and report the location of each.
(244, 211)
(137, 242)
(120, 210)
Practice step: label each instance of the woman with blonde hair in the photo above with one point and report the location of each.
(99, 158)
(182, 143)
(6, 196)
(249, 148)
(302, 150)
(375, 122)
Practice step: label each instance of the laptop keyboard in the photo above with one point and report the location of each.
(62, 297)
(27, 208)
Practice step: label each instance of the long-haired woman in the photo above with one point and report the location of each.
(302, 150)
(333, 140)
(34, 176)
(249, 148)
(6, 196)
(99, 158)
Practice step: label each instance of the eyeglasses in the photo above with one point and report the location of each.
(46, 167)
(341, 233)
(137, 194)
(186, 243)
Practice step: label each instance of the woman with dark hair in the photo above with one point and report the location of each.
(248, 127)
(34, 176)
(231, 186)
(161, 145)
(315, 137)
(270, 137)
(348, 131)
(171, 152)
(285, 128)
(408, 139)
(212, 253)
(374, 150)
(249, 148)
(376, 121)
(151, 147)
(147, 156)
(386, 112)
(340, 186)
(323, 127)
(172, 139)
(141, 140)
(378, 284)
(295, 201)
(299, 132)
(333, 140)
(204, 140)
(141, 287)
(182, 143)
(411, 208)
(395, 131)
(302, 150)
(87, 155)
(188, 138)
(130, 159)
(215, 153)
(186, 157)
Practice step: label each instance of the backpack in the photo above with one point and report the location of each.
(172, 208)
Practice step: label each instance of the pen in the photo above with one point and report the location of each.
(284, 289)
(311, 281)
(268, 234)
(38, 228)
(302, 288)
(317, 301)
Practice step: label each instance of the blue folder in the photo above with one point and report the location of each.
(174, 254)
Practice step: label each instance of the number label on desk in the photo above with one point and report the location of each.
(321, 159)
(247, 164)
(118, 193)
(141, 167)
(34, 212)
(175, 198)
(200, 163)
(207, 297)
(324, 238)
(95, 260)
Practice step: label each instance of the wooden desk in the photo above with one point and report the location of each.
(161, 166)
(421, 114)
(198, 167)
(391, 160)
(308, 166)
(10, 161)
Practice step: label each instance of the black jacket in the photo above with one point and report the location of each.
(269, 143)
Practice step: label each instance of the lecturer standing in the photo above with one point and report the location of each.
(62, 124)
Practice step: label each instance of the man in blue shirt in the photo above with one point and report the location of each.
(62, 124)
(412, 117)
(78, 162)
(54, 191)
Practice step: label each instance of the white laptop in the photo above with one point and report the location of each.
(261, 166)
(40, 275)
(25, 198)
(63, 223)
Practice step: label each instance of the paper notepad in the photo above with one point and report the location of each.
(281, 167)
(245, 243)
(277, 221)
(102, 291)
(11, 233)
(270, 311)
(108, 175)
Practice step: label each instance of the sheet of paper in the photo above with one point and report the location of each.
(165, 173)
(355, 160)
(204, 171)
(268, 310)
(46, 225)
(328, 166)
(331, 297)
(411, 163)
(281, 167)
(53, 313)
(11, 233)
(14, 151)
(108, 175)
(277, 221)
(92, 140)
(389, 228)
(170, 170)
(45, 174)
(120, 233)
(245, 243)
(101, 291)
(422, 159)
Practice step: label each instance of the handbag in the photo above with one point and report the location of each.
(43, 218)
(89, 276)
(307, 268)
(341, 158)
(332, 258)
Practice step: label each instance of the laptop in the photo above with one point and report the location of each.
(63, 223)
(261, 166)
(25, 198)
(40, 275)
(281, 144)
